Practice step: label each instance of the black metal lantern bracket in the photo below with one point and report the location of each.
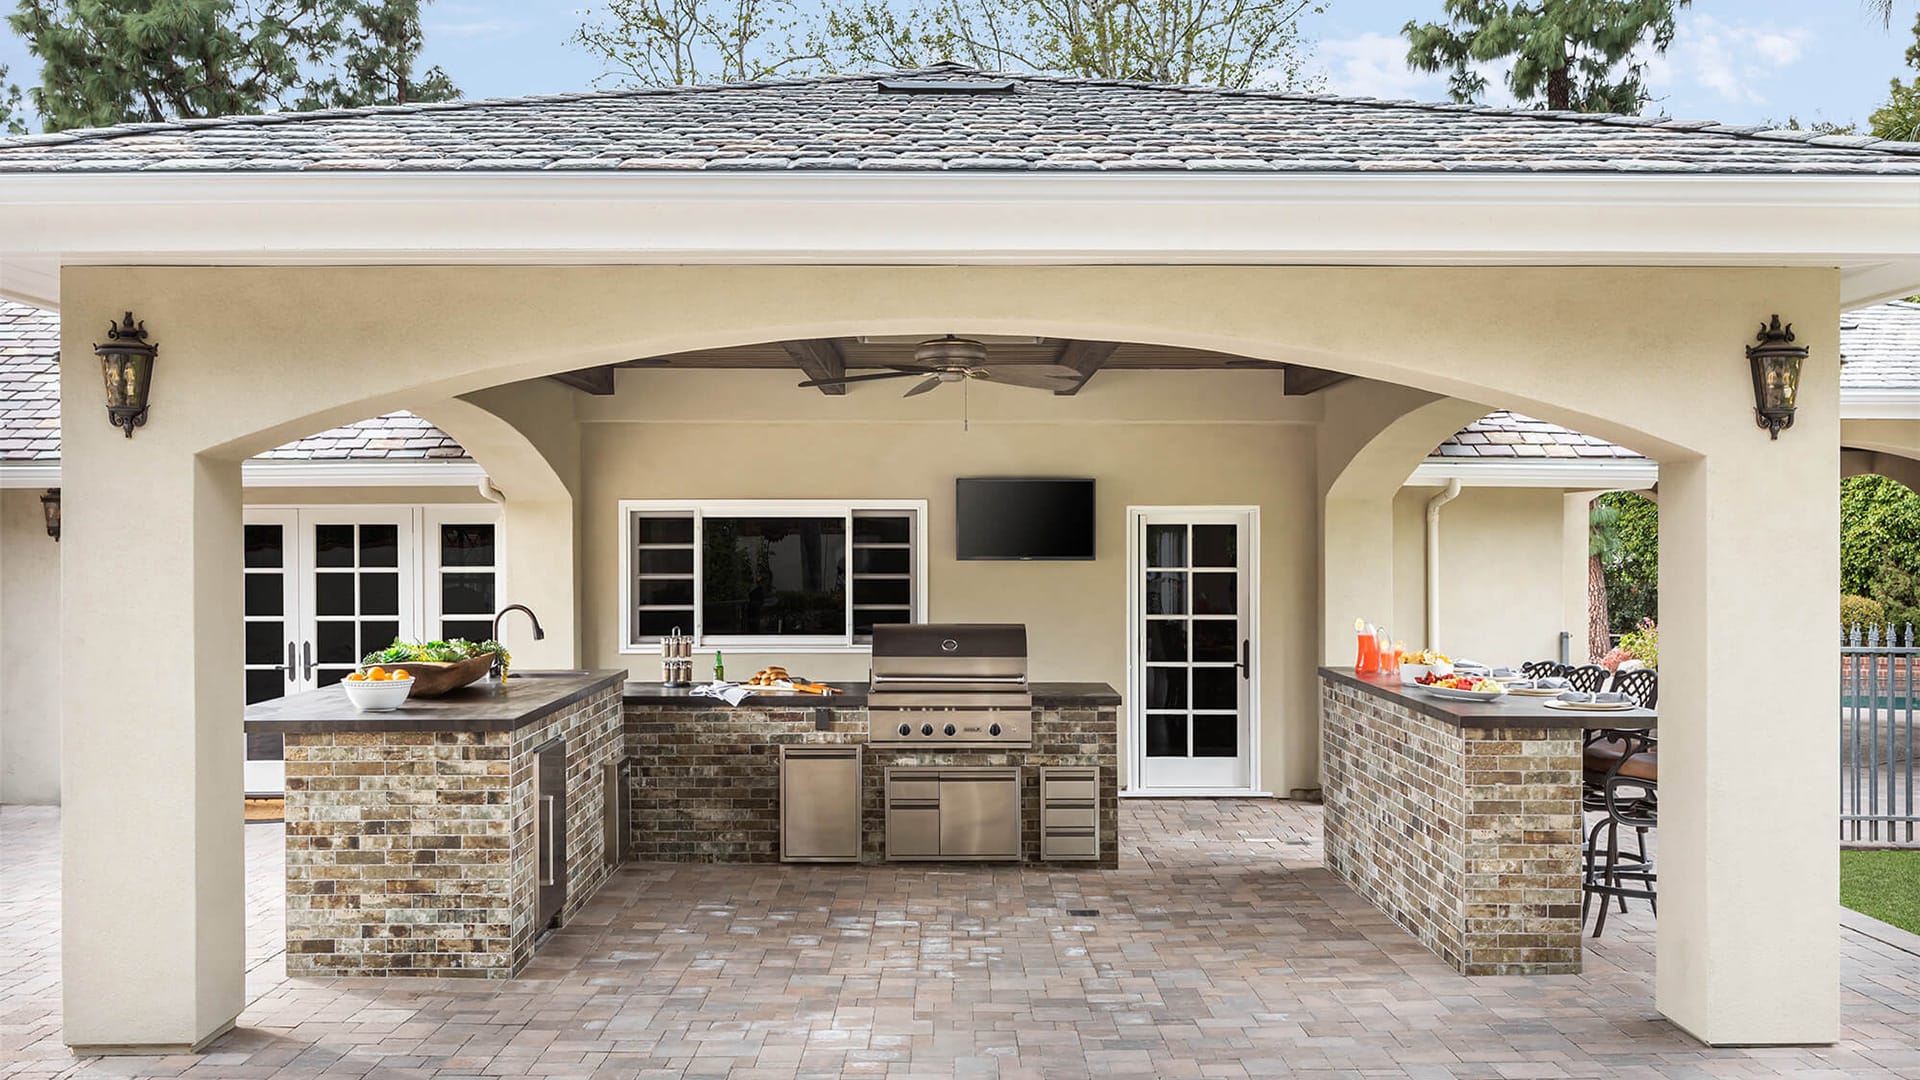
(50, 506)
(126, 362)
(1776, 362)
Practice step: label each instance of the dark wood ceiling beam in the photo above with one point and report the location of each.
(597, 381)
(1084, 359)
(820, 358)
(1310, 380)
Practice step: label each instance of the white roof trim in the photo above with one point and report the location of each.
(1576, 474)
(1898, 403)
(294, 473)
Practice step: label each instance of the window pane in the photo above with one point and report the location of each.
(379, 545)
(663, 560)
(1166, 736)
(264, 546)
(1167, 639)
(1216, 688)
(1166, 688)
(865, 619)
(1167, 593)
(775, 576)
(333, 545)
(654, 624)
(875, 529)
(265, 594)
(379, 594)
(669, 592)
(677, 529)
(471, 629)
(333, 643)
(376, 635)
(1216, 594)
(333, 594)
(466, 545)
(1217, 640)
(466, 594)
(877, 593)
(882, 561)
(1166, 545)
(1215, 545)
(266, 643)
(1216, 736)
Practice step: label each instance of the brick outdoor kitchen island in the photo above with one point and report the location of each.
(1461, 821)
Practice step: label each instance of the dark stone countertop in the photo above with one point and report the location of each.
(1509, 711)
(525, 698)
(1069, 695)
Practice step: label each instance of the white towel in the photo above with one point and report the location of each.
(731, 693)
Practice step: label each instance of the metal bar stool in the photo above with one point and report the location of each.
(1623, 774)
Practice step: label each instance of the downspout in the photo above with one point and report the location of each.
(1433, 559)
(490, 493)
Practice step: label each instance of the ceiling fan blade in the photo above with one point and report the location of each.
(923, 387)
(844, 380)
(1038, 380)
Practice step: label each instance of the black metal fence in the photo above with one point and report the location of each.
(1877, 684)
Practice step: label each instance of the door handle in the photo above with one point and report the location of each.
(306, 660)
(291, 668)
(1246, 658)
(548, 873)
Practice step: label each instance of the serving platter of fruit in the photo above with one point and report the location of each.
(1457, 687)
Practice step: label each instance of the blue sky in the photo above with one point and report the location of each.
(1734, 60)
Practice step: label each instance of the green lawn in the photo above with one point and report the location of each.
(1883, 884)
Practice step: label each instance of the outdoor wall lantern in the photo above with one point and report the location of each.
(127, 362)
(50, 506)
(1776, 376)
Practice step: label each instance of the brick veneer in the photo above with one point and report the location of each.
(705, 782)
(413, 853)
(1469, 838)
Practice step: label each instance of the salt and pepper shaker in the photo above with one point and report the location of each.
(676, 659)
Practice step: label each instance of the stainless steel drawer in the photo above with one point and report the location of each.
(1073, 817)
(1078, 845)
(913, 833)
(918, 787)
(1055, 790)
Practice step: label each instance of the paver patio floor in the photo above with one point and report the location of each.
(1221, 949)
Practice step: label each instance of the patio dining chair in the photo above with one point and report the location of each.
(1642, 685)
(1587, 678)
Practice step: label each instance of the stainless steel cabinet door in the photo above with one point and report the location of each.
(820, 804)
(980, 813)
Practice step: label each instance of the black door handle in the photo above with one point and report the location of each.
(306, 660)
(1246, 658)
(290, 663)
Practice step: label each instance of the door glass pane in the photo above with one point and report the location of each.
(333, 594)
(1166, 545)
(1167, 688)
(1166, 593)
(1216, 736)
(1216, 688)
(267, 643)
(663, 560)
(1166, 735)
(334, 643)
(266, 594)
(1167, 639)
(333, 545)
(1216, 545)
(374, 635)
(379, 594)
(466, 545)
(1216, 640)
(329, 676)
(1216, 594)
(774, 576)
(265, 685)
(472, 594)
(379, 545)
(265, 546)
(471, 629)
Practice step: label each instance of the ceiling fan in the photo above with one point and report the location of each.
(953, 359)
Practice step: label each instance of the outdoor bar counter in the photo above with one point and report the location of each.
(412, 839)
(1460, 821)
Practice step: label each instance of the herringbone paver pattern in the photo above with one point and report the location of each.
(1220, 949)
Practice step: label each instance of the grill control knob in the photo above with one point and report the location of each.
(926, 729)
(951, 729)
(906, 729)
(994, 730)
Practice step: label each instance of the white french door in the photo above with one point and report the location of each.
(1192, 709)
(358, 587)
(271, 611)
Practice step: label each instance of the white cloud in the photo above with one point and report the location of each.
(1375, 65)
(469, 21)
(1732, 61)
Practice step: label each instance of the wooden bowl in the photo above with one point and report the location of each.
(433, 680)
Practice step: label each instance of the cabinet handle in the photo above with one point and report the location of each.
(547, 874)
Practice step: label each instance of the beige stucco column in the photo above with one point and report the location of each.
(1749, 867)
(152, 885)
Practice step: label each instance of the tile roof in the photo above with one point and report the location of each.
(1880, 347)
(1509, 436)
(854, 122)
(30, 407)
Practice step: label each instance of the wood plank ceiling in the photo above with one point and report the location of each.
(1076, 360)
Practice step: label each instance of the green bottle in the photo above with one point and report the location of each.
(719, 667)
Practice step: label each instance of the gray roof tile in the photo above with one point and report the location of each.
(849, 122)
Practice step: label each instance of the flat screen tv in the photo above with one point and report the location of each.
(1024, 518)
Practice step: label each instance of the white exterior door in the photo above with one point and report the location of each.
(1193, 623)
(359, 587)
(272, 616)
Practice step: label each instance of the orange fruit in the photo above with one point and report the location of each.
(402, 675)
(376, 674)
(356, 677)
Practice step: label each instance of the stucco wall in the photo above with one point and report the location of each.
(753, 436)
(1502, 577)
(29, 652)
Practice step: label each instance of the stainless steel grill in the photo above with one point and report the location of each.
(950, 684)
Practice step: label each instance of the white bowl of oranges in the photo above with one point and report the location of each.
(378, 690)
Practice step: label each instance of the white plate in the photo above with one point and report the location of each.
(1529, 691)
(1449, 694)
(1593, 706)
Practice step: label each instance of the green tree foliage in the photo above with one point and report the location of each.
(1217, 42)
(114, 61)
(1880, 545)
(1566, 54)
(1633, 566)
(1899, 118)
(11, 120)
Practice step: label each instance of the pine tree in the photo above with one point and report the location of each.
(1567, 54)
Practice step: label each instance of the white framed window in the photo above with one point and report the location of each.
(465, 580)
(786, 575)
